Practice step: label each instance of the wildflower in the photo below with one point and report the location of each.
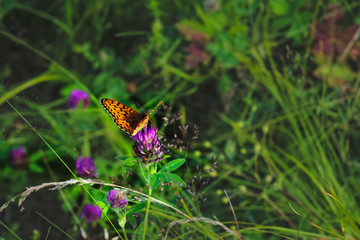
(117, 198)
(76, 96)
(147, 146)
(91, 213)
(196, 55)
(331, 37)
(18, 157)
(196, 51)
(85, 167)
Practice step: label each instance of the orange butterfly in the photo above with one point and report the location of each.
(125, 117)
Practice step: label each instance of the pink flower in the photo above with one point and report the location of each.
(196, 55)
(196, 51)
(18, 157)
(331, 37)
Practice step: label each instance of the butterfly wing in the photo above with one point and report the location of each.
(125, 117)
(132, 125)
(141, 123)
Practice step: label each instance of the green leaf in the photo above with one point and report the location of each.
(137, 208)
(173, 165)
(128, 161)
(166, 156)
(122, 221)
(37, 156)
(122, 158)
(138, 234)
(36, 168)
(104, 211)
(336, 73)
(174, 179)
(153, 179)
(156, 179)
(131, 219)
(101, 204)
(98, 83)
(279, 7)
(230, 149)
(225, 84)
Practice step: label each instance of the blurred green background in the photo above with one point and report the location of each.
(262, 100)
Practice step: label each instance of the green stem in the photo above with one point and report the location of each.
(28, 84)
(147, 211)
(9, 229)
(46, 16)
(124, 232)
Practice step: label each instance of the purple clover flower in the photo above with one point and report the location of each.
(85, 167)
(147, 146)
(117, 198)
(91, 213)
(18, 156)
(76, 96)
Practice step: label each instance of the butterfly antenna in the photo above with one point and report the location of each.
(151, 122)
(156, 107)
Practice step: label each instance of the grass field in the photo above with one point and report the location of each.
(256, 136)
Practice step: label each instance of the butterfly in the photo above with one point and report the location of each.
(125, 117)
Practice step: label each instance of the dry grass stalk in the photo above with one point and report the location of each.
(59, 185)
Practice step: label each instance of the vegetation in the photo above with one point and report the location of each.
(256, 137)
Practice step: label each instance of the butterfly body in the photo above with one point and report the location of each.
(125, 117)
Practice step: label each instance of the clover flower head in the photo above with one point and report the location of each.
(117, 198)
(91, 213)
(147, 146)
(76, 96)
(85, 167)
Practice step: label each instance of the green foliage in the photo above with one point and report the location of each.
(173, 165)
(292, 16)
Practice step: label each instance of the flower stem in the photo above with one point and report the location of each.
(124, 232)
(147, 211)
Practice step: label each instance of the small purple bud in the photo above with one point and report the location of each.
(18, 157)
